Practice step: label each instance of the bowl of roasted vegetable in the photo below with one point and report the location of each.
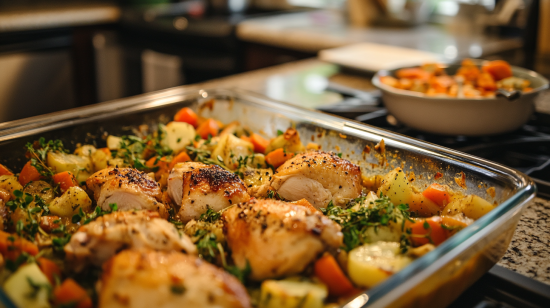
(201, 213)
(473, 98)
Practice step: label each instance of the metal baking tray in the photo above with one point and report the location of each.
(434, 280)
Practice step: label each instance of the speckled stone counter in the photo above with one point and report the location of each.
(529, 251)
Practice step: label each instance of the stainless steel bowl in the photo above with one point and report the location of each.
(461, 116)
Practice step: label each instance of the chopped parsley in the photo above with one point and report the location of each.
(38, 152)
(355, 223)
(87, 218)
(241, 274)
(210, 216)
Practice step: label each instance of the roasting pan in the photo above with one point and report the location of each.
(434, 280)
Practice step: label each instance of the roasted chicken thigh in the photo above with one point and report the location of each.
(147, 278)
(196, 187)
(277, 238)
(129, 188)
(319, 177)
(101, 239)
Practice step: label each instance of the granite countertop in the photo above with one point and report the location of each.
(56, 16)
(312, 31)
(529, 251)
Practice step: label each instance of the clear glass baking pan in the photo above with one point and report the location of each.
(434, 280)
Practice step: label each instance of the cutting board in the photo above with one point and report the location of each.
(374, 57)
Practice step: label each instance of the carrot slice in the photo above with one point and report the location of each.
(71, 292)
(186, 115)
(28, 174)
(438, 194)
(4, 170)
(180, 158)
(413, 73)
(209, 127)
(259, 142)
(65, 180)
(245, 138)
(499, 69)
(161, 164)
(486, 82)
(11, 246)
(427, 231)
(49, 268)
(278, 157)
(330, 273)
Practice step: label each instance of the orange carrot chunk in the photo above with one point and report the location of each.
(186, 115)
(11, 246)
(413, 73)
(180, 158)
(330, 273)
(28, 174)
(4, 170)
(278, 157)
(499, 69)
(438, 194)
(160, 163)
(71, 292)
(486, 82)
(49, 268)
(427, 231)
(65, 180)
(208, 127)
(259, 142)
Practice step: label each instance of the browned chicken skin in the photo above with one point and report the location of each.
(99, 240)
(318, 177)
(277, 238)
(129, 188)
(146, 278)
(196, 187)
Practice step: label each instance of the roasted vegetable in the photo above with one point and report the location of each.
(178, 136)
(70, 203)
(80, 166)
(10, 183)
(28, 287)
(289, 141)
(231, 149)
(472, 206)
(290, 294)
(42, 189)
(370, 264)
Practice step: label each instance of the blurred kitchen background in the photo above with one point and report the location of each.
(57, 54)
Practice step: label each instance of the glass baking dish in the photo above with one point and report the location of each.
(434, 280)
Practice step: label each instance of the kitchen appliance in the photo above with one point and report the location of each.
(433, 280)
(461, 116)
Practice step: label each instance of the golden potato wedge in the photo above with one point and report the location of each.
(10, 184)
(473, 207)
(396, 186)
(80, 166)
(290, 294)
(370, 264)
(70, 202)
